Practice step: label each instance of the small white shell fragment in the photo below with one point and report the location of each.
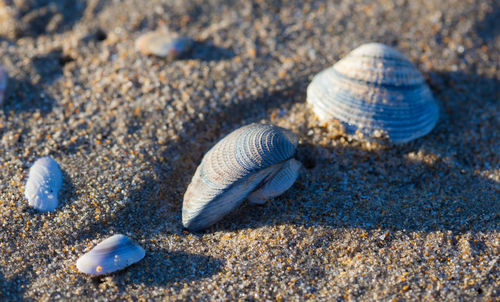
(163, 44)
(43, 185)
(3, 83)
(113, 254)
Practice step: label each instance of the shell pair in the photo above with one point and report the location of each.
(254, 162)
(377, 93)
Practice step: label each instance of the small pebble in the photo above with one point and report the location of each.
(113, 254)
(163, 44)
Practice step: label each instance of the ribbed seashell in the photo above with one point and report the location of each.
(163, 44)
(255, 162)
(376, 92)
(43, 185)
(3, 83)
(112, 254)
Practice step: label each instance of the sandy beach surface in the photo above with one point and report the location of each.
(365, 222)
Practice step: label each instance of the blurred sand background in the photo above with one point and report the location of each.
(418, 221)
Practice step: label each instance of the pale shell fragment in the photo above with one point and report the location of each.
(376, 93)
(3, 83)
(163, 44)
(254, 161)
(112, 254)
(43, 185)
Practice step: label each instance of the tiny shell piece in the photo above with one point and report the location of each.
(3, 83)
(43, 185)
(112, 254)
(163, 44)
(255, 162)
(377, 94)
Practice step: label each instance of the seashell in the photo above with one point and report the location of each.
(112, 254)
(255, 162)
(163, 44)
(3, 83)
(375, 92)
(43, 185)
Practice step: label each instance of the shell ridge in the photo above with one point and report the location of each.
(344, 100)
(268, 145)
(241, 152)
(377, 84)
(257, 150)
(380, 113)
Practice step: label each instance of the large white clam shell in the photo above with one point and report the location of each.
(375, 91)
(43, 185)
(112, 254)
(254, 161)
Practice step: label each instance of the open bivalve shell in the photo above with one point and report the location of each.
(376, 93)
(112, 254)
(255, 162)
(43, 185)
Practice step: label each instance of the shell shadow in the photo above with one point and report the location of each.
(67, 194)
(207, 51)
(161, 267)
(34, 18)
(365, 193)
(29, 93)
(22, 95)
(49, 66)
(12, 289)
(489, 28)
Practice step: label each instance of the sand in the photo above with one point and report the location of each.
(366, 222)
